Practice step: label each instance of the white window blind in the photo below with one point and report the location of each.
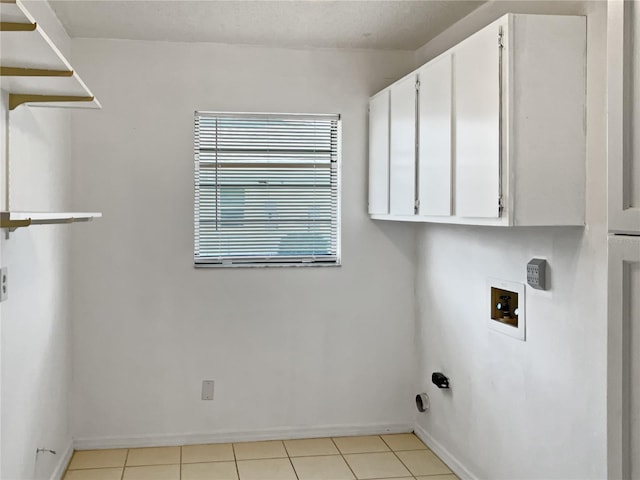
(266, 189)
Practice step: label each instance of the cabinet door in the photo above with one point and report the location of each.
(624, 116)
(623, 392)
(477, 123)
(379, 154)
(434, 140)
(403, 147)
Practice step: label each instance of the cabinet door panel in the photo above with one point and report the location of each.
(624, 116)
(379, 154)
(434, 158)
(403, 148)
(477, 109)
(623, 398)
(634, 105)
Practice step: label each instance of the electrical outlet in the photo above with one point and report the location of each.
(4, 284)
(536, 273)
(207, 390)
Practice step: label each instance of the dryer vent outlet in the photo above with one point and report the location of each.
(422, 402)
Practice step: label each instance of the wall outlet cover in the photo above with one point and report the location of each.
(4, 284)
(207, 389)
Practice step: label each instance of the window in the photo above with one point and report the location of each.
(266, 189)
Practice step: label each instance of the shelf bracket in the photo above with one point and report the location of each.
(33, 72)
(13, 224)
(16, 99)
(17, 27)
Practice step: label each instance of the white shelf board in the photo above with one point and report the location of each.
(35, 50)
(50, 215)
(94, 104)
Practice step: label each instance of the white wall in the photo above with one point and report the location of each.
(288, 347)
(35, 323)
(533, 409)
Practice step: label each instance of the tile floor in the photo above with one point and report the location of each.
(398, 456)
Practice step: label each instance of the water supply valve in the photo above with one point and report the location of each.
(503, 306)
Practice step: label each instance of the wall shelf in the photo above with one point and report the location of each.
(14, 220)
(32, 69)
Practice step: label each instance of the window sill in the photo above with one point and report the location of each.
(265, 265)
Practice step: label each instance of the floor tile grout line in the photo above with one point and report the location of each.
(316, 455)
(126, 457)
(286, 449)
(395, 455)
(295, 472)
(368, 453)
(344, 459)
(180, 465)
(151, 465)
(206, 461)
(386, 451)
(385, 442)
(395, 452)
(337, 452)
(94, 468)
(405, 466)
(261, 458)
(235, 459)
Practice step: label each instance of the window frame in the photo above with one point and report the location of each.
(262, 262)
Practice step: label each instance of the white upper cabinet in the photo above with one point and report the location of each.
(623, 127)
(379, 154)
(501, 128)
(402, 147)
(434, 137)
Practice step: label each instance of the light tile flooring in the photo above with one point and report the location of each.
(399, 456)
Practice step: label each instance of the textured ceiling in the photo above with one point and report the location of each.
(382, 24)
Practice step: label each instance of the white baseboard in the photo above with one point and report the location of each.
(284, 433)
(452, 462)
(63, 463)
